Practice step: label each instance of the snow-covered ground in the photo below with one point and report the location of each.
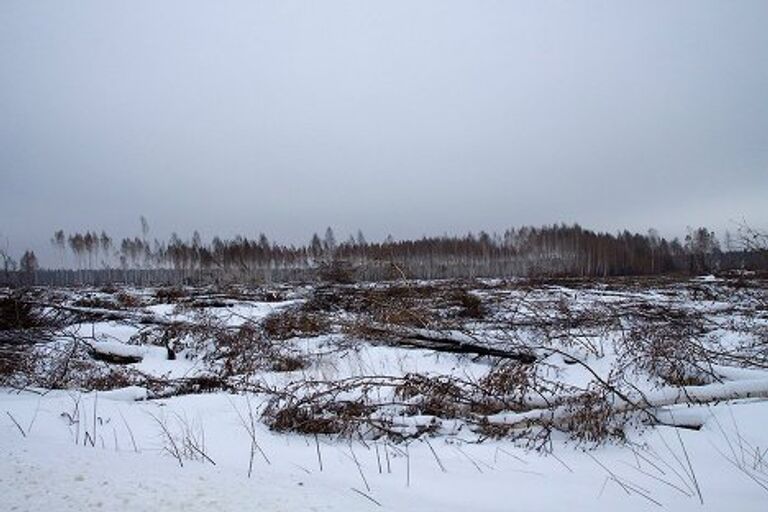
(126, 449)
(55, 466)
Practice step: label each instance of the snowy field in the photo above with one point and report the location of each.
(433, 396)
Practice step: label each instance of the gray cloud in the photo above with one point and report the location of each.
(396, 117)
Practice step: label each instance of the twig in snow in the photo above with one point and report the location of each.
(172, 447)
(378, 457)
(439, 462)
(319, 455)
(130, 431)
(250, 428)
(359, 468)
(361, 493)
(16, 423)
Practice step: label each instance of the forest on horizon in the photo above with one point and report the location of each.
(556, 251)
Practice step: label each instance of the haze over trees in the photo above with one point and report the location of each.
(550, 251)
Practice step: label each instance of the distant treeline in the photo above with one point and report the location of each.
(551, 251)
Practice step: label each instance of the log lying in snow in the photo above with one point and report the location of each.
(122, 353)
(139, 317)
(649, 402)
(116, 352)
(450, 341)
(127, 394)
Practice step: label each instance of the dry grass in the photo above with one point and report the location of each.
(127, 300)
(170, 294)
(95, 302)
(295, 322)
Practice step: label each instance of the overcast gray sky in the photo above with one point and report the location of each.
(402, 117)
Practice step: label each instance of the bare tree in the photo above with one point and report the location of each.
(751, 238)
(315, 246)
(59, 241)
(329, 242)
(9, 264)
(701, 245)
(28, 262)
(105, 242)
(77, 245)
(144, 226)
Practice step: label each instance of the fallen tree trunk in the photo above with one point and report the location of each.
(456, 343)
(110, 314)
(116, 352)
(646, 402)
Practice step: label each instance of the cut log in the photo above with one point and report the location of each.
(649, 402)
(450, 341)
(116, 352)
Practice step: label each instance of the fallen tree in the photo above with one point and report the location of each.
(455, 342)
